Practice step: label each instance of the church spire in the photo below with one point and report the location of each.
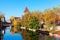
(26, 11)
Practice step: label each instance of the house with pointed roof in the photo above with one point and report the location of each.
(26, 11)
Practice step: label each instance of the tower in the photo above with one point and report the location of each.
(26, 11)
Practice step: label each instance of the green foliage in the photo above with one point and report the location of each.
(54, 25)
(49, 38)
(34, 24)
(33, 35)
(29, 35)
(18, 23)
(31, 21)
(26, 23)
(48, 24)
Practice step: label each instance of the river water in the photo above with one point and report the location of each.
(16, 36)
(9, 36)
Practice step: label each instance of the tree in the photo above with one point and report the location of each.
(25, 20)
(15, 26)
(31, 20)
(34, 23)
(12, 18)
(56, 10)
(50, 16)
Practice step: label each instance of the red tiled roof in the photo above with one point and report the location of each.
(26, 9)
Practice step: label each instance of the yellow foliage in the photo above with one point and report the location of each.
(12, 32)
(58, 17)
(12, 18)
(15, 22)
(15, 28)
(49, 16)
(1, 16)
(56, 10)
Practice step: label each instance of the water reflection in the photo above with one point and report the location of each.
(9, 36)
(48, 38)
(17, 36)
(57, 39)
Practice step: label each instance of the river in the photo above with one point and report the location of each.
(16, 36)
(9, 36)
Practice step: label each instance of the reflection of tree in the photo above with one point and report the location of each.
(1, 16)
(0, 27)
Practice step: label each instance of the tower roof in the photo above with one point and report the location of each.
(26, 10)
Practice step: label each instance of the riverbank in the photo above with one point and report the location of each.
(32, 35)
(56, 34)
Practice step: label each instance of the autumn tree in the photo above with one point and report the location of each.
(38, 15)
(12, 19)
(31, 19)
(57, 12)
(34, 23)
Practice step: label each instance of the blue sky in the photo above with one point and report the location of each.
(16, 7)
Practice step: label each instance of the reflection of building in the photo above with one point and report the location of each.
(2, 19)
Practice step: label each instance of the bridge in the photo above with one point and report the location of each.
(5, 25)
